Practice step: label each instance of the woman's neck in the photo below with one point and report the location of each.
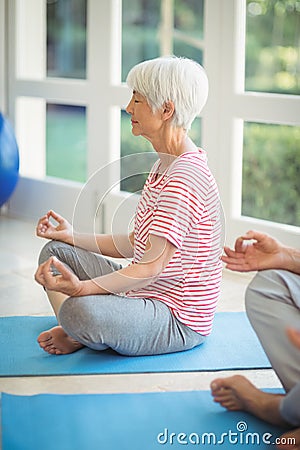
(172, 143)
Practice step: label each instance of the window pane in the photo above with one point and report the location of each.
(142, 25)
(271, 173)
(140, 39)
(188, 17)
(66, 38)
(195, 131)
(131, 145)
(272, 46)
(189, 51)
(66, 142)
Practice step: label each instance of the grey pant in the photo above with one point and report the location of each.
(273, 304)
(130, 326)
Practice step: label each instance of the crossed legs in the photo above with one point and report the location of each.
(130, 326)
(86, 265)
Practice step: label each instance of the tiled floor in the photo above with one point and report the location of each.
(20, 295)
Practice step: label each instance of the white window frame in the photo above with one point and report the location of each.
(103, 95)
(99, 93)
(228, 106)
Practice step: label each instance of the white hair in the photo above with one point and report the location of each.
(169, 78)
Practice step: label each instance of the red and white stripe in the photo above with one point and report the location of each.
(183, 206)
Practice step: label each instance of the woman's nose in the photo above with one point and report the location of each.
(129, 107)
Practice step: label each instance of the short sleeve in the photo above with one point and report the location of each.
(179, 207)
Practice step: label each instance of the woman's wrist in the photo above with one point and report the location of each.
(91, 287)
(71, 238)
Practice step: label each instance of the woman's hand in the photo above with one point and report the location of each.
(66, 283)
(63, 231)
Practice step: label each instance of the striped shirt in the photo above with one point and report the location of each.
(183, 206)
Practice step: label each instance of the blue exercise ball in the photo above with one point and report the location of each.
(9, 160)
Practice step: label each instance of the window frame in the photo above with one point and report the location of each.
(99, 93)
(229, 106)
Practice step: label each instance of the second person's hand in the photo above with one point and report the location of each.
(254, 251)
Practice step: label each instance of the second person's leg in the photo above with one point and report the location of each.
(273, 304)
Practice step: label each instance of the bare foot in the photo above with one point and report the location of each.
(56, 342)
(290, 440)
(237, 393)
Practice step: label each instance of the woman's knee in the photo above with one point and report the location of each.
(79, 321)
(77, 317)
(70, 313)
(52, 248)
(46, 252)
(69, 317)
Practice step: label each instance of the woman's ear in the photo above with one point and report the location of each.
(168, 110)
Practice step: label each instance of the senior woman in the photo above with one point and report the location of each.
(164, 301)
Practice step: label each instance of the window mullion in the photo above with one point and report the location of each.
(167, 26)
(53, 90)
(271, 108)
(104, 71)
(98, 73)
(222, 131)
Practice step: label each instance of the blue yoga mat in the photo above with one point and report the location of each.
(149, 421)
(232, 345)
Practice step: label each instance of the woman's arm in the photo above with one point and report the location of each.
(120, 246)
(116, 246)
(159, 252)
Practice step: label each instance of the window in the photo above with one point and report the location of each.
(271, 157)
(66, 95)
(52, 132)
(66, 38)
(66, 142)
(251, 124)
(271, 168)
(272, 46)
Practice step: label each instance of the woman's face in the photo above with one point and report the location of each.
(144, 122)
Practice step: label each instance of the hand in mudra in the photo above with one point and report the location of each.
(62, 230)
(254, 251)
(65, 282)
